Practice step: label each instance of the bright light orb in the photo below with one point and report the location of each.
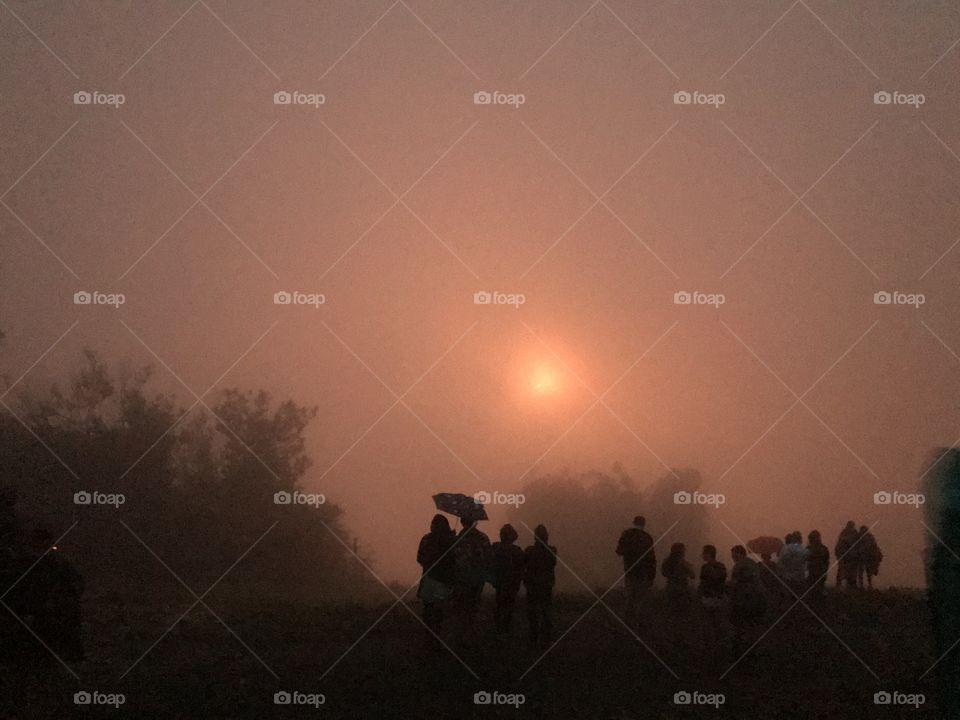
(544, 381)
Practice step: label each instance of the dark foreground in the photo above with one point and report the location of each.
(801, 669)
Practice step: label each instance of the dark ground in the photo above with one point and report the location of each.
(598, 670)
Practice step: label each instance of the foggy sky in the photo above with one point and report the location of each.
(597, 199)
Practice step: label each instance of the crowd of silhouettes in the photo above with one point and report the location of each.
(456, 567)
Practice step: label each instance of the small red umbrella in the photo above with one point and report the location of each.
(765, 545)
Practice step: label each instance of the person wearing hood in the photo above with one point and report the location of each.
(436, 558)
(507, 576)
(539, 576)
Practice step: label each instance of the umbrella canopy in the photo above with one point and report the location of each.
(766, 545)
(463, 506)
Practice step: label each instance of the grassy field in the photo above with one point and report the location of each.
(801, 669)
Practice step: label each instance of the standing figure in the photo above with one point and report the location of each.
(678, 573)
(792, 563)
(639, 566)
(713, 580)
(818, 564)
(844, 552)
(540, 562)
(868, 557)
(473, 560)
(747, 600)
(507, 576)
(434, 555)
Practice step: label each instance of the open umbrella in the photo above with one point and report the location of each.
(463, 506)
(765, 545)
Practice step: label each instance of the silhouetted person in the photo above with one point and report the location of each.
(747, 600)
(439, 570)
(507, 576)
(473, 561)
(818, 563)
(639, 565)
(539, 576)
(678, 573)
(770, 581)
(843, 552)
(868, 557)
(941, 487)
(712, 588)
(792, 563)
